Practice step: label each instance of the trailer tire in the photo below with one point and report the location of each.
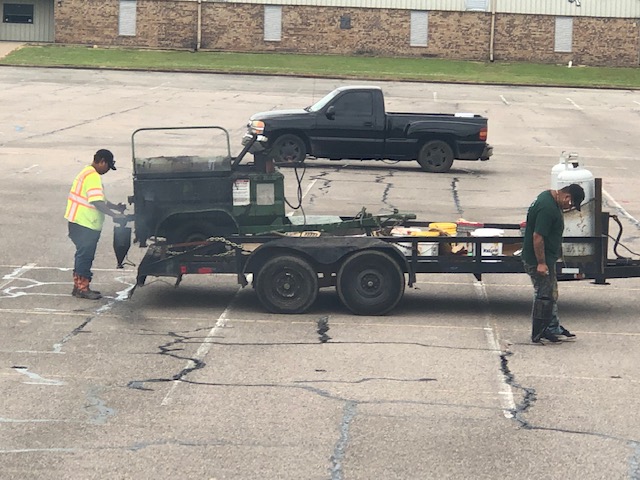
(288, 149)
(435, 156)
(370, 282)
(286, 284)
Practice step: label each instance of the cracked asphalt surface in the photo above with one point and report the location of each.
(199, 382)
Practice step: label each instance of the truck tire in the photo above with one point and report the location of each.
(287, 284)
(435, 156)
(288, 149)
(370, 282)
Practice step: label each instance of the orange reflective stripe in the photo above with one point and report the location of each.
(79, 199)
(85, 189)
(81, 179)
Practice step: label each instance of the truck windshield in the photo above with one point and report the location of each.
(319, 105)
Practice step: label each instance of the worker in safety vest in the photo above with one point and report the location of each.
(86, 209)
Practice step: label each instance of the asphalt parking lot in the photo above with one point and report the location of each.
(199, 382)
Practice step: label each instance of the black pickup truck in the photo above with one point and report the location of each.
(351, 123)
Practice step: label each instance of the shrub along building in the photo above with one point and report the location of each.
(589, 32)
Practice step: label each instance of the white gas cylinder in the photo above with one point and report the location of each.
(578, 223)
(567, 161)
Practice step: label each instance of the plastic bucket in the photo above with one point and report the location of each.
(427, 249)
(464, 230)
(489, 249)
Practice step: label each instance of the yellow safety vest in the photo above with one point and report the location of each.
(86, 188)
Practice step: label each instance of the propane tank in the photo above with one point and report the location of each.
(577, 223)
(565, 162)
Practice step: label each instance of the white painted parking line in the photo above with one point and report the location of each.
(621, 210)
(506, 394)
(37, 379)
(504, 100)
(204, 348)
(304, 194)
(18, 272)
(435, 96)
(574, 104)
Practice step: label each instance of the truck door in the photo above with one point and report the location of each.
(349, 128)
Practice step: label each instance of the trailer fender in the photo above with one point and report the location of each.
(196, 225)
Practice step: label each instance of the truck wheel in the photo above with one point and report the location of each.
(370, 283)
(287, 284)
(435, 156)
(288, 150)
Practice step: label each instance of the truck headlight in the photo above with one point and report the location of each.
(256, 126)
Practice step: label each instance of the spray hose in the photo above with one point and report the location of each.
(616, 240)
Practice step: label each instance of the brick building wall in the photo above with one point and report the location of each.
(596, 41)
(373, 31)
(616, 41)
(170, 25)
(238, 27)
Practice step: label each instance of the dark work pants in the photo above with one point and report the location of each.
(546, 286)
(86, 242)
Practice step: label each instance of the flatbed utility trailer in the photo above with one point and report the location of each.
(369, 269)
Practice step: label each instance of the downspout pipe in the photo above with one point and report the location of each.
(199, 27)
(492, 34)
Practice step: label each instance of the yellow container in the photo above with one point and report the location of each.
(448, 228)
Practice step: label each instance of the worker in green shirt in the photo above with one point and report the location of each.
(541, 250)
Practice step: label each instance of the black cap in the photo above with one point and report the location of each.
(107, 156)
(577, 195)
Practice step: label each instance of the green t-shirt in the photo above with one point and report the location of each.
(544, 218)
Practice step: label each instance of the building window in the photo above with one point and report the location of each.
(127, 18)
(476, 5)
(345, 22)
(17, 13)
(419, 28)
(272, 23)
(564, 35)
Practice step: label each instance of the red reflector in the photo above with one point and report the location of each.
(483, 133)
(183, 269)
(205, 270)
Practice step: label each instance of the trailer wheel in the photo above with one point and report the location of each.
(436, 156)
(288, 149)
(287, 284)
(370, 283)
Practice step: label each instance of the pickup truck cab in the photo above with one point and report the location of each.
(351, 123)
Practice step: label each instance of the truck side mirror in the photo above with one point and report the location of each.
(331, 112)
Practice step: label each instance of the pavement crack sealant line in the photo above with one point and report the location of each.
(456, 196)
(122, 296)
(339, 451)
(529, 399)
(529, 396)
(169, 349)
(382, 179)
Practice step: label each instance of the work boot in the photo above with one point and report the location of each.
(84, 291)
(566, 333)
(76, 282)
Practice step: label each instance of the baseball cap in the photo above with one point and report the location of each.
(577, 195)
(106, 155)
